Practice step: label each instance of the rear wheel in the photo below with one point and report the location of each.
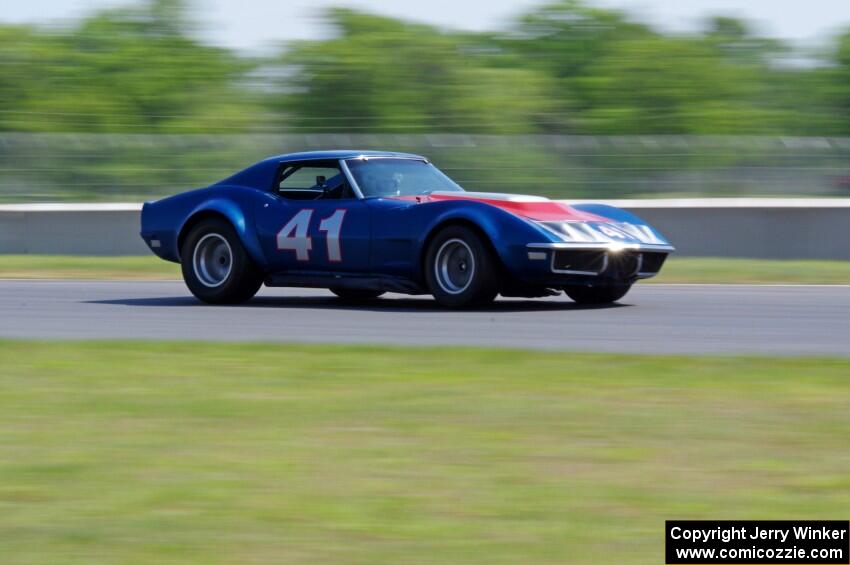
(460, 269)
(356, 294)
(597, 294)
(216, 267)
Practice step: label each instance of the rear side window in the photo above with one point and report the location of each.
(312, 180)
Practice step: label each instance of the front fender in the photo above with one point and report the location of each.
(619, 215)
(508, 233)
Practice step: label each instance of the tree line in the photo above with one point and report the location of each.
(563, 68)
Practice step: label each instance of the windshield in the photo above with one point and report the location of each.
(398, 177)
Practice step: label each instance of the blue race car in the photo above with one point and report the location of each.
(362, 223)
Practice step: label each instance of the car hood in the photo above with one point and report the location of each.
(532, 207)
(571, 225)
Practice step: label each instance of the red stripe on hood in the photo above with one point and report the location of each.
(541, 210)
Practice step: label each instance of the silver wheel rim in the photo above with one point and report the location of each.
(212, 260)
(454, 266)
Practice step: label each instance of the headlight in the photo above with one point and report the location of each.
(573, 231)
(602, 232)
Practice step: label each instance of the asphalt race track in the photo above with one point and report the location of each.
(782, 320)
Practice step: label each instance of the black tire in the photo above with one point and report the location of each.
(356, 294)
(597, 294)
(460, 268)
(216, 267)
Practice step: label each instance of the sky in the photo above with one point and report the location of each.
(257, 25)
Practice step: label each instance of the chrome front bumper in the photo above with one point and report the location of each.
(616, 260)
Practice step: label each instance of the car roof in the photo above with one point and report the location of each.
(260, 175)
(340, 154)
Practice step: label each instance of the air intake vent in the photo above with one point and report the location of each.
(579, 262)
(652, 262)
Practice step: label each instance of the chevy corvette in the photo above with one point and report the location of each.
(362, 223)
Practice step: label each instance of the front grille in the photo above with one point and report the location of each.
(623, 265)
(579, 261)
(652, 262)
(610, 264)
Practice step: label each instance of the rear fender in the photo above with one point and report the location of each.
(237, 217)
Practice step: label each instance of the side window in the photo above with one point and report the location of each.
(312, 181)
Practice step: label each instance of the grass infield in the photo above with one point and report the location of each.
(677, 269)
(213, 453)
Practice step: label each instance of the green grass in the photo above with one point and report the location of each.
(86, 267)
(753, 271)
(208, 453)
(677, 269)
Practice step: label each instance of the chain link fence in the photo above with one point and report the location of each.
(126, 167)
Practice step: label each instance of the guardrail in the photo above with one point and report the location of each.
(767, 228)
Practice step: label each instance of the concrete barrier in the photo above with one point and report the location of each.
(71, 229)
(751, 227)
(748, 227)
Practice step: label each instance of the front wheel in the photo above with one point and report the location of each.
(216, 267)
(460, 268)
(597, 294)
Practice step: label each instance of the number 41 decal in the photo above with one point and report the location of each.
(295, 235)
